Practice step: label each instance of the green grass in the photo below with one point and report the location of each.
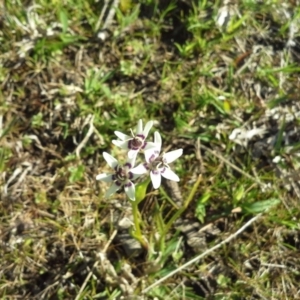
(64, 91)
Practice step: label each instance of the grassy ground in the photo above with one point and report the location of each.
(220, 81)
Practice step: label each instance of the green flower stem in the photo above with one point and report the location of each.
(137, 234)
(136, 220)
(184, 207)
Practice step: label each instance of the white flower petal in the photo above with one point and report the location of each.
(156, 179)
(153, 149)
(132, 159)
(151, 154)
(104, 177)
(114, 187)
(120, 144)
(169, 174)
(147, 128)
(140, 169)
(111, 161)
(157, 140)
(117, 143)
(130, 190)
(150, 145)
(139, 127)
(172, 155)
(132, 154)
(122, 136)
(135, 176)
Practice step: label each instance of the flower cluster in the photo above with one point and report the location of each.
(155, 163)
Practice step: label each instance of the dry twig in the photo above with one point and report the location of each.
(197, 258)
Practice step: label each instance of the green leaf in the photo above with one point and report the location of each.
(235, 24)
(260, 206)
(239, 193)
(200, 212)
(76, 173)
(280, 135)
(277, 101)
(63, 17)
(140, 190)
